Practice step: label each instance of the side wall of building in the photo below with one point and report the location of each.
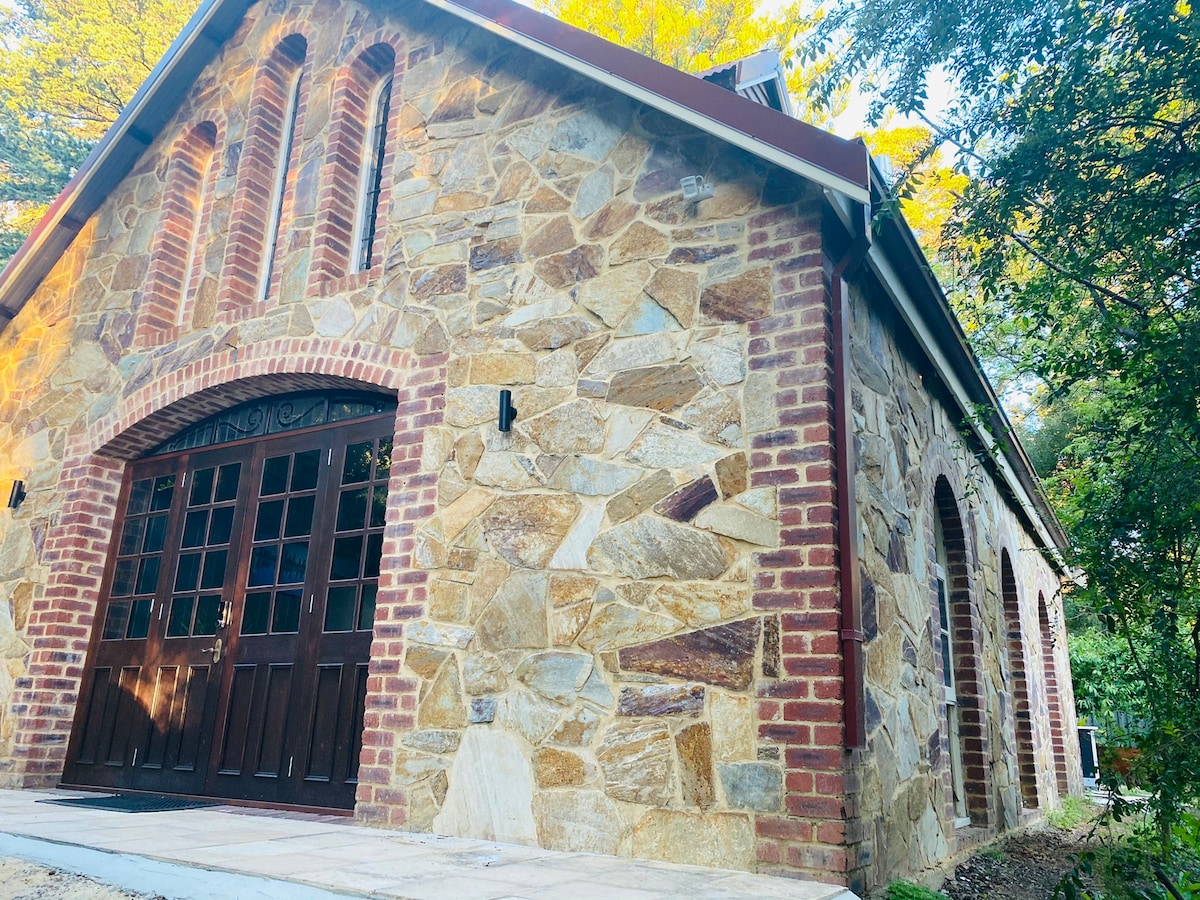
(915, 463)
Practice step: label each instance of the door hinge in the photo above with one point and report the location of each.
(310, 602)
(183, 479)
(291, 759)
(135, 750)
(329, 457)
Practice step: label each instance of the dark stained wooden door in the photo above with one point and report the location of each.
(237, 621)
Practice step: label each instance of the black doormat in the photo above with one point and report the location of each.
(133, 803)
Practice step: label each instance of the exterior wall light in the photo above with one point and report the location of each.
(508, 412)
(695, 188)
(17, 495)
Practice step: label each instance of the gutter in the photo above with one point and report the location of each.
(852, 637)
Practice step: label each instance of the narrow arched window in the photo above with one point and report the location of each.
(352, 212)
(256, 248)
(961, 652)
(283, 168)
(1018, 685)
(1058, 735)
(172, 278)
(372, 175)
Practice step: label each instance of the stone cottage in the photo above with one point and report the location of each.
(430, 411)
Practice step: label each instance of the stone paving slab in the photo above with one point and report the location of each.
(228, 852)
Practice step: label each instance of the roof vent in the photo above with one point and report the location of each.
(758, 78)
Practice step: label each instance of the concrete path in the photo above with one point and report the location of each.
(229, 852)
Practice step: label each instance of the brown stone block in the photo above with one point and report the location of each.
(558, 768)
(611, 218)
(742, 299)
(722, 655)
(555, 236)
(733, 475)
(664, 388)
(565, 269)
(694, 746)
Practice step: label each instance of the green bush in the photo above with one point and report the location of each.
(906, 890)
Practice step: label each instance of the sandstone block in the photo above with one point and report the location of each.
(557, 675)
(641, 496)
(677, 292)
(526, 529)
(572, 428)
(647, 547)
(636, 760)
(740, 524)
(661, 700)
(516, 615)
(699, 839)
(658, 387)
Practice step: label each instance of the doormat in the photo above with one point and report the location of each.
(133, 803)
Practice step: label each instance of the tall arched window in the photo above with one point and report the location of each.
(1022, 721)
(283, 168)
(355, 177)
(172, 278)
(1053, 700)
(960, 654)
(372, 181)
(265, 181)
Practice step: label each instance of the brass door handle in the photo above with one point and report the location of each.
(215, 650)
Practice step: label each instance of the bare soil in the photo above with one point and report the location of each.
(1026, 866)
(23, 880)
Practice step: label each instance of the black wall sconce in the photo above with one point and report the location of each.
(17, 495)
(508, 412)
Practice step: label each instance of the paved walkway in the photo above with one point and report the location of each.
(228, 852)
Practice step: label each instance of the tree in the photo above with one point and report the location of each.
(1077, 246)
(694, 35)
(67, 68)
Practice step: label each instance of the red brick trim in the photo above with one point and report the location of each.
(1022, 722)
(1054, 704)
(60, 621)
(800, 713)
(77, 545)
(258, 170)
(966, 634)
(377, 57)
(163, 308)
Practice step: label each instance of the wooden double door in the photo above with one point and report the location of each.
(234, 630)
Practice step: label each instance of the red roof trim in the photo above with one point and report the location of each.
(845, 159)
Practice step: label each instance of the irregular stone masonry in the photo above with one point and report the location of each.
(615, 628)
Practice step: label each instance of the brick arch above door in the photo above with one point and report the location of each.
(151, 412)
(76, 545)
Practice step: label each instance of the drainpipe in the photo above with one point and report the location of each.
(844, 464)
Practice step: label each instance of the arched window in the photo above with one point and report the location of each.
(354, 180)
(959, 651)
(1053, 700)
(372, 181)
(265, 181)
(283, 168)
(171, 281)
(1023, 725)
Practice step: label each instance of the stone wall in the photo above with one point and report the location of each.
(908, 436)
(616, 627)
(588, 634)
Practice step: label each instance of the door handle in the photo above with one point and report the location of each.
(215, 650)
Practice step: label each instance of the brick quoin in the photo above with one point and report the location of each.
(801, 713)
(77, 546)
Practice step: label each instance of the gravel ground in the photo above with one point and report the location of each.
(22, 880)
(1027, 866)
